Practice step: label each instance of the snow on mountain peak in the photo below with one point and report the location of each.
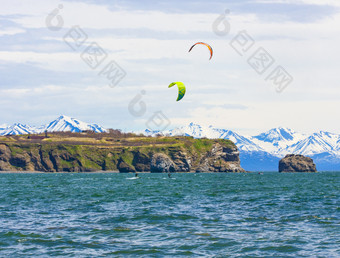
(276, 141)
(194, 130)
(17, 129)
(316, 143)
(61, 124)
(193, 124)
(276, 134)
(66, 123)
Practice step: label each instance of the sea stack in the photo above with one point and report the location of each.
(296, 163)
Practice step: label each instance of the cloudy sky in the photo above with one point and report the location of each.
(47, 65)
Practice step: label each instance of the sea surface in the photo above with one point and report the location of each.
(197, 215)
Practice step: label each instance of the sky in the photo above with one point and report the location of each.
(275, 63)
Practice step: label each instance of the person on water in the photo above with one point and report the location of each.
(136, 175)
(169, 175)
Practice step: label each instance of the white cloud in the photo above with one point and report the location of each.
(302, 2)
(307, 117)
(10, 31)
(101, 17)
(217, 90)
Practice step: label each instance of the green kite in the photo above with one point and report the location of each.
(181, 89)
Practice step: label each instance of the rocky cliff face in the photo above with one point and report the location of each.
(221, 159)
(201, 155)
(162, 163)
(296, 163)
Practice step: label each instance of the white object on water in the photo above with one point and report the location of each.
(132, 178)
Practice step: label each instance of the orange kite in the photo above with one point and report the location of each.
(207, 45)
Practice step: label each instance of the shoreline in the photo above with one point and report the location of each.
(148, 172)
(117, 172)
(62, 172)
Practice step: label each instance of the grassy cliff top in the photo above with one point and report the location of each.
(113, 139)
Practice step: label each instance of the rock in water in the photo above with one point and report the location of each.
(296, 163)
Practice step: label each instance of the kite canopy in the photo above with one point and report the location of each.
(181, 89)
(205, 44)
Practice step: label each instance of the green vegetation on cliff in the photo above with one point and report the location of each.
(77, 152)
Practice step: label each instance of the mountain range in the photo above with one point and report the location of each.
(61, 124)
(261, 152)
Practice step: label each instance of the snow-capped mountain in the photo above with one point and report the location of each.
(61, 124)
(265, 150)
(316, 143)
(244, 143)
(198, 131)
(17, 129)
(279, 137)
(68, 124)
(195, 130)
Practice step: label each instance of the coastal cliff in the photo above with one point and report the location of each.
(101, 152)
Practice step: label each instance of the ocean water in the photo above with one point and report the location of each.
(208, 215)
